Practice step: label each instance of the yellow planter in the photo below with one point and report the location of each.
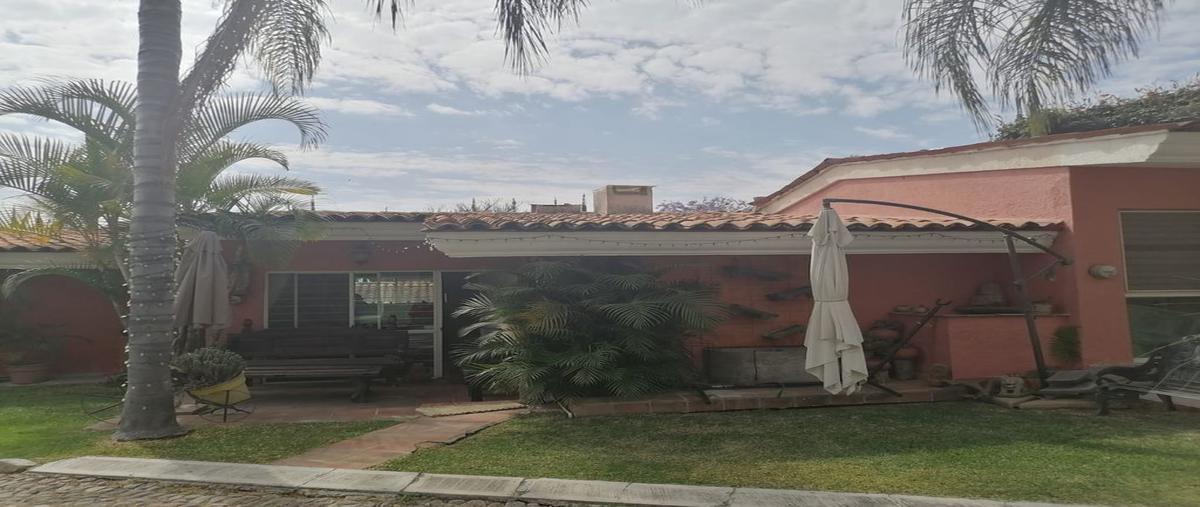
(230, 392)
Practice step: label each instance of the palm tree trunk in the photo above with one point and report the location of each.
(149, 398)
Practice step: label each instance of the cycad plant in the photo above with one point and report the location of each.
(85, 190)
(557, 330)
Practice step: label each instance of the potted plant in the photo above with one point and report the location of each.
(27, 351)
(213, 375)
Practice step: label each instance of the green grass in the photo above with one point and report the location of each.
(957, 449)
(46, 422)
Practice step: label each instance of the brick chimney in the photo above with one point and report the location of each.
(611, 199)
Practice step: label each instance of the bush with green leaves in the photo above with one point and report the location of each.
(1065, 345)
(208, 366)
(554, 331)
(1158, 104)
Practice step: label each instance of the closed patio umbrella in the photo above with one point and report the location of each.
(202, 286)
(833, 339)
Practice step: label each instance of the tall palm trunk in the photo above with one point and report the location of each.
(149, 399)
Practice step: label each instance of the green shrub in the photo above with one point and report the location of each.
(208, 366)
(1065, 344)
(554, 331)
(1158, 104)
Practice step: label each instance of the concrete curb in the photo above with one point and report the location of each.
(552, 491)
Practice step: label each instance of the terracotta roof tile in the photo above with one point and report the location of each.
(33, 243)
(573, 222)
(373, 216)
(731, 221)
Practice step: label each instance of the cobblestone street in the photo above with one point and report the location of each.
(28, 489)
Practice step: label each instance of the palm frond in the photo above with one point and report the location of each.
(86, 106)
(32, 164)
(221, 116)
(29, 226)
(1060, 48)
(287, 42)
(1031, 52)
(228, 191)
(107, 282)
(523, 24)
(197, 177)
(945, 41)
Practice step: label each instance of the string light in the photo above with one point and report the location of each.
(692, 243)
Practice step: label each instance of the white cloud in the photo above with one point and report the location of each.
(358, 106)
(452, 111)
(888, 133)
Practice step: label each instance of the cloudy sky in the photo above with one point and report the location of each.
(733, 98)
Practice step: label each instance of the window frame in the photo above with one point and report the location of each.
(435, 277)
(1145, 293)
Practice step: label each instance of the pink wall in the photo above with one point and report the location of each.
(877, 284)
(79, 311)
(1031, 193)
(1098, 195)
(1086, 199)
(985, 346)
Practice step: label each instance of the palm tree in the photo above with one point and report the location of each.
(85, 190)
(284, 37)
(1033, 53)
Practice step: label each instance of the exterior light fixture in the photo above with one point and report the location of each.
(1102, 271)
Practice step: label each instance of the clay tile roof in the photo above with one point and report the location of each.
(67, 242)
(1184, 126)
(728, 221)
(373, 216)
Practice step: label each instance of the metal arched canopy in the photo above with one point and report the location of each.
(1020, 281)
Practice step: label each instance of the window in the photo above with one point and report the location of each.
(1162, 275)
(367, 300)
(1162, 250)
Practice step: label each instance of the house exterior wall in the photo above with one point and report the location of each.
(68, 307)
(877, 285)
(338, 256)
(880, 282)
(1087, 200)
(1098, 195)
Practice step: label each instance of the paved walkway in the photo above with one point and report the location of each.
(480, 488)
(42, 489)
(383, 445)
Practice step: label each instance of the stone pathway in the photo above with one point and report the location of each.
(512, 491)
(383, 445)
(40, 489)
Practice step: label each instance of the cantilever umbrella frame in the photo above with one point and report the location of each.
(1020, 280)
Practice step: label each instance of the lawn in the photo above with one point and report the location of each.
(46, 422)
(956, 449)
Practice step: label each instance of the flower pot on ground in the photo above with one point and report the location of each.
(213, 375)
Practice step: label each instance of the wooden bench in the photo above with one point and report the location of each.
(360, 355)
(1171, 371)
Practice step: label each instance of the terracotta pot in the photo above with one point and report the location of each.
(908, 353)
(28, 373)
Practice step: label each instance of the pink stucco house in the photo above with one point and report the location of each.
(1123, 203)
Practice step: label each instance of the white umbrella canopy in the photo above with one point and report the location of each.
(202, 286)
(833, 338)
